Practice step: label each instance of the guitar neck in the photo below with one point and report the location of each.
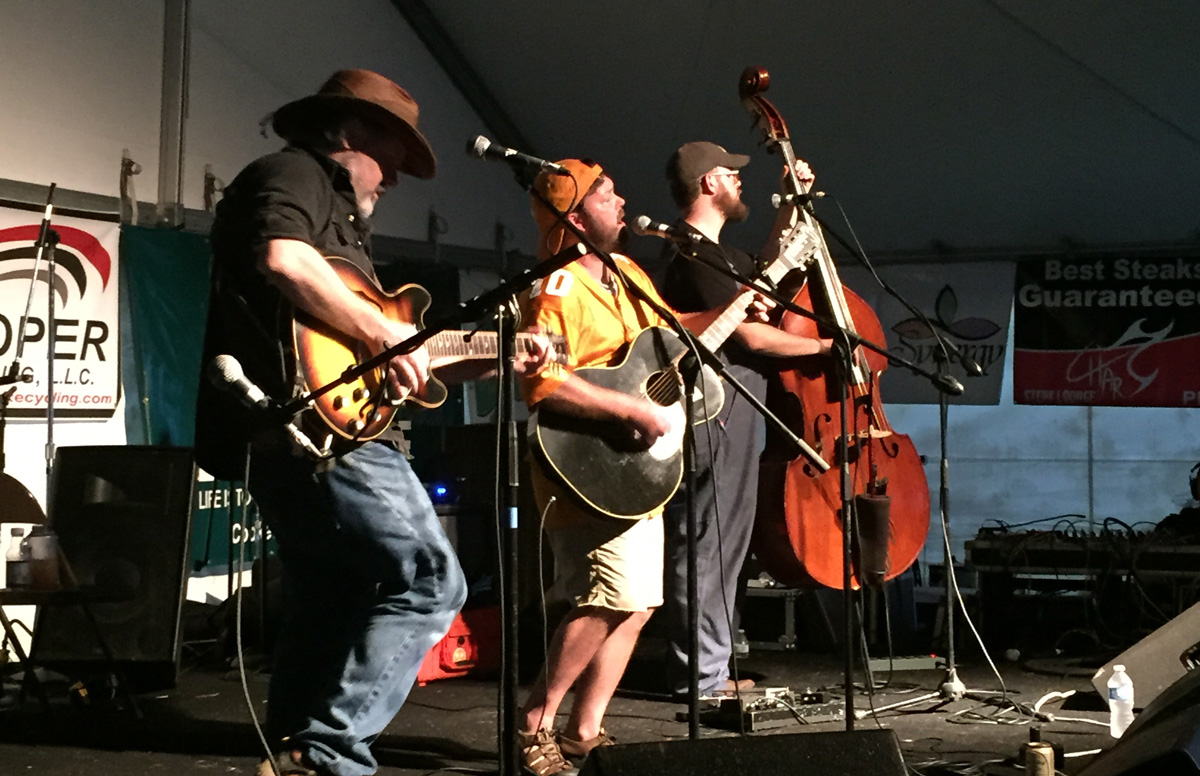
(448, 347)
(718, 331)
(796, 247)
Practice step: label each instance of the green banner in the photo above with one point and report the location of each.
(165, 275)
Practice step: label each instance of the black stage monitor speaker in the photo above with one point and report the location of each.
(1164, 739)
(862, 753)
(1159, 660)
(123, 519)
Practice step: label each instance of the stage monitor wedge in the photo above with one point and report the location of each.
(123, 519)
(862, 753)
(1159, 660)
(1164, 739)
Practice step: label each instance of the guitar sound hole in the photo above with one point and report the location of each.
(663, 388)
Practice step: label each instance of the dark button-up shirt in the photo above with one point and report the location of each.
(293, 194)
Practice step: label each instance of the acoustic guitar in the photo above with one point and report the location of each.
(599, 460)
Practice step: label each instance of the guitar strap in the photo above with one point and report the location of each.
(639, 307)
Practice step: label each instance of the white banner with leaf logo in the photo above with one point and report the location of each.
(967, 303)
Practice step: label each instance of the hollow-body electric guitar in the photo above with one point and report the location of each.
(362, 409)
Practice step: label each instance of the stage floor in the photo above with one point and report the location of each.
(202, 727)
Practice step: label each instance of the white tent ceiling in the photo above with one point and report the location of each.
(974, 123)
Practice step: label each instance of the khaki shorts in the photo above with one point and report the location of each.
(601, 561)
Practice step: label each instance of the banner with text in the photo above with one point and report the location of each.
(85, 328)
(1120, 330)
(967, 303)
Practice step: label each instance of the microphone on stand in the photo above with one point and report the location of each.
(779, 200)
(969, 364)
(647, 227)
(226, 373)
(948, 385)
(486, 149)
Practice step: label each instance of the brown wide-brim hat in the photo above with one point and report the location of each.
(368, 94)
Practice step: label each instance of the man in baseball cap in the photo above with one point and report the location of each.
(705, 182)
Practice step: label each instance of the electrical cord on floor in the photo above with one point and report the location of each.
(542, 599)
(1055, 696)
(241, 660)
(962, 607)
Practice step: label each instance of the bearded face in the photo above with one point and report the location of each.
(602, 217)
(729, 202)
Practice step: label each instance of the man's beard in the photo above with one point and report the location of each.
(367, 201)
(607, 240)
(731, 206)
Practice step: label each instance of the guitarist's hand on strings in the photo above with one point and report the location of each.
(648, 421)
(759, 309)
(305, 278)
(408, 373)
(539, 354)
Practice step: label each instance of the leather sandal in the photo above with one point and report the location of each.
(580, 749)
(541, 755)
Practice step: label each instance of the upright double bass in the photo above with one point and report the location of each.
(799, 528)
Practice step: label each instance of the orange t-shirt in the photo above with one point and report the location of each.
(593, 321)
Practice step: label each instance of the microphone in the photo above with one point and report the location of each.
(971, 366)
(779, 200)
(486, 149)
(948, 385)
(646, 227)
(226, 373)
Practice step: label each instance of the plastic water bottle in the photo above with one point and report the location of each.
(1120, 701)
(43, 558)
(16, 561)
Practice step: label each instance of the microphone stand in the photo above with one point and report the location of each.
(845, 342)
(46, 242)
(951, 687)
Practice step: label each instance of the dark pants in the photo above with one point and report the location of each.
(727, 451)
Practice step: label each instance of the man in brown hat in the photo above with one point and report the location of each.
(706, 185)
(609, 569)
(370, 580)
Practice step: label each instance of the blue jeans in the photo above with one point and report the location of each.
(371, 583)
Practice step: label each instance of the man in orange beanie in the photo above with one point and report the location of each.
(611, 570)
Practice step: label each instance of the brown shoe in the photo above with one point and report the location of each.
(541, 756)
(286, 764)
(578, 750)
(741, 685)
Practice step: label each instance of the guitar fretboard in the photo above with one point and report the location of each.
(462, 345)
(795, 248)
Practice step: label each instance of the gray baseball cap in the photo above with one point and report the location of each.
(693, 160)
